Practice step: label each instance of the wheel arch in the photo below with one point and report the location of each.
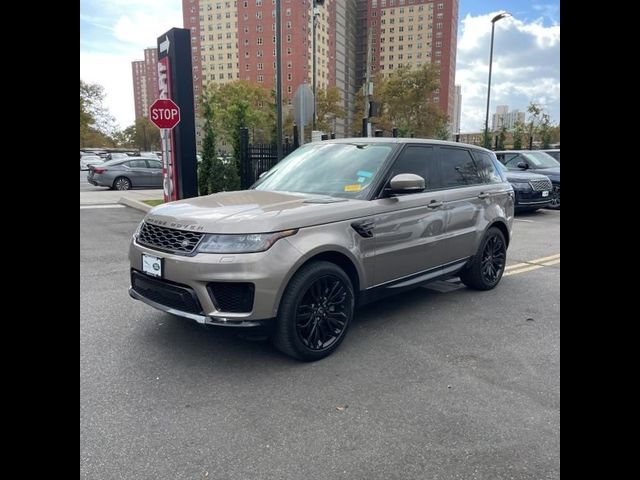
(336, 255)
(502, 226)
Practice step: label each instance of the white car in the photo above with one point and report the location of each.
(87, 160)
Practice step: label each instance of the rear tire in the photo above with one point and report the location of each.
(486, 269)
(315, 312)
(122, 183)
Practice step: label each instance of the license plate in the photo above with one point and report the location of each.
(545, 193)
(152, 265)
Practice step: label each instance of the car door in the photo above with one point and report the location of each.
(409, 230)
(155, 173)
(466, 196)
(138, 172)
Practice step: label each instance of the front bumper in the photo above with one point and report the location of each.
(267, 272)
(526, 198)
(202, 319)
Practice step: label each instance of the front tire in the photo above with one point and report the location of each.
(555, 198)
(122, 183)
(315, 312)
(486, 269)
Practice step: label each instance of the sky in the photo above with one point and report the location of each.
(526, 53)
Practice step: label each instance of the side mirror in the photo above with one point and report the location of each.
(405, 183)
(523, 165)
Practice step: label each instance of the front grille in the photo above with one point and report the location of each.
(168, 239)
(540, 185)
(169, 294)
(232, 297)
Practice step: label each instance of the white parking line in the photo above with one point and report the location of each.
(523, 220)
(102, 206)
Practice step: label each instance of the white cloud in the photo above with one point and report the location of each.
(526, 67)
(118, 31)
(113, 72)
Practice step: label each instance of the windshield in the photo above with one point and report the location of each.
(336, 169)
(540, 159)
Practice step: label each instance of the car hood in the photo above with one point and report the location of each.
(553, 173)
(254, 211)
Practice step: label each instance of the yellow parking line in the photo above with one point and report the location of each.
(514, 266)
(553, 262)
(544, 259)
(522, 270)
(531, 265)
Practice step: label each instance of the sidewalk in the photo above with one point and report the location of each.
(112, 197)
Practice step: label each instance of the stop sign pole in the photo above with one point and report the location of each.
(165, 115)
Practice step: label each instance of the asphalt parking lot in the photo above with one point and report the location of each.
(438, 383)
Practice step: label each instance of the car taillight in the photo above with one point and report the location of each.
(98, 170)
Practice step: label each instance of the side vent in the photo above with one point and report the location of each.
(364, 228)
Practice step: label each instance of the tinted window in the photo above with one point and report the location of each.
(137, 164)
(420, 161)
(486, 168)
(154, 164)
(514, 160)
(458, 168)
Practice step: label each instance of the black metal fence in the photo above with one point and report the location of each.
(256, 159)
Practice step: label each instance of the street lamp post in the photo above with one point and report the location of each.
(500, 16)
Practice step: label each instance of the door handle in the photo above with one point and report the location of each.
(434, 204)
(483, 195)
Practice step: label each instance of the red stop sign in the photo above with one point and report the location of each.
(164, 113)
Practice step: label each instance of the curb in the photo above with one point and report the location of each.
(135, 204)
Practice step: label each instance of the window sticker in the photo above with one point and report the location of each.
(361, 179)
(356, 187)
(364, 173)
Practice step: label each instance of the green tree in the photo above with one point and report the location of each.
(358, 113)
(442, 132)
(240, 104)
(97, 125)
(210, 169)
(518, 135)
(142, 135)
(545, 130)
(329, 106)
(405, 98)
(535, 112)
(502, 137)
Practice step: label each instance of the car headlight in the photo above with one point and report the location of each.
(521, 185)
(246, 243)
(138, 228)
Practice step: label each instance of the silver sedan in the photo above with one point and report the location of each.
(124, 174)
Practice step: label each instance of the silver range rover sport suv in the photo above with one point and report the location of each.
(334, 225)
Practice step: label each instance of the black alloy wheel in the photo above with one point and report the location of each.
(485, 270)
(321, 314)
(315, 311)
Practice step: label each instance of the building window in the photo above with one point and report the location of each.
(260, 78)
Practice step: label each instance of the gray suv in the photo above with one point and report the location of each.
(334, 225)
